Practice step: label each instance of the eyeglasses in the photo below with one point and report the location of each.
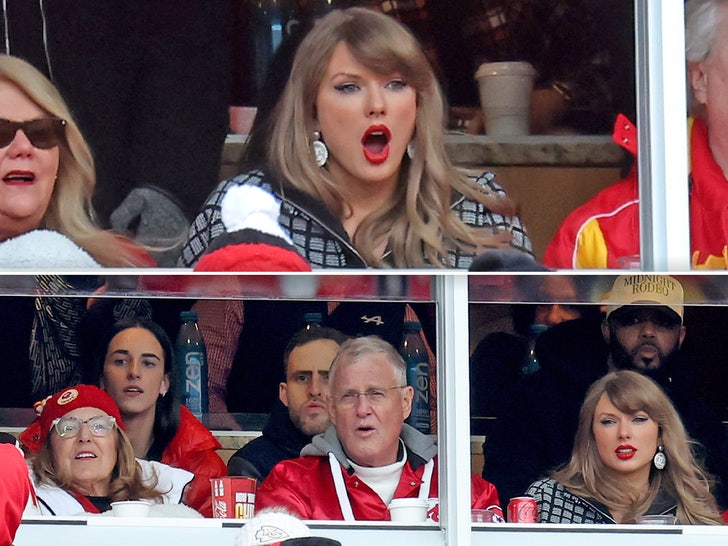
(43, 133)
(375, 397)
(69, 427)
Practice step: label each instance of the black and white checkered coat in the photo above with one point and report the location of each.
(320, 238)
(556, 504)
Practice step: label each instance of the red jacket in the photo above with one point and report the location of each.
(193, 448)
(606, 227)
(305, 486)
(15, 490)
(708, 204)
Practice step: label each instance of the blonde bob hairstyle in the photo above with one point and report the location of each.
(418, 222)
(125, 481)
(69, 211)
(682, 479)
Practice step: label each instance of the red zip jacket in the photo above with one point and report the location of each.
(305, 486)
(606, 227)
(194, 448)
(15, 490)
(708, 204)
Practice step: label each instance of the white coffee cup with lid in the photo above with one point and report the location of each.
(130, 509)
(505, 97)
(408, 510)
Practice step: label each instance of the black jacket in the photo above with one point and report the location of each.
(320, 237)
(280, 440)
(556, 504)
(535, 433)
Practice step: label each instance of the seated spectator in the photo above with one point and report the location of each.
(149, 84)
(631, 457)
(301, 413)
(606, 227)
(83, 460)
(498, 363)
(604, 231)
(368, 456)
(136, 368)
(643, 331)
(48, 179)
(351, 195)
(246, 340)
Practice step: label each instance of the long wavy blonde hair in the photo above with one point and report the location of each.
(70, 211)
(682, 479)
(418, 222)
(125, 482)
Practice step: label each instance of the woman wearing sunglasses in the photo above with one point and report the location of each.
(83, 460)
(47, 179)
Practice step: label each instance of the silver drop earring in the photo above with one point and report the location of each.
(320, 151)
(659, 460)
(411, 149)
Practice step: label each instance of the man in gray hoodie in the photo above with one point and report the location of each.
(368, 456)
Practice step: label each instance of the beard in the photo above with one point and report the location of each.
(309, 426)
(658, 369)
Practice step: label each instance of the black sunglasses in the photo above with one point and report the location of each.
(43, 133)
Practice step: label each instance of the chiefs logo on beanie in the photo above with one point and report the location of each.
(59, 404)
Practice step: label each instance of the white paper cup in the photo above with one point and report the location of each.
(408, 510)
(130, 509)
(656, 519)
(505, 97)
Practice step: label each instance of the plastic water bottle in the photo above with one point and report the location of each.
(530, 362)
(192, 364)
(418, 375)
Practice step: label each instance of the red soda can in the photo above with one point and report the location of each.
(522, 510)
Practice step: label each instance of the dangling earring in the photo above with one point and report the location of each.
(320, 151)
(411, 149)
(659, 460)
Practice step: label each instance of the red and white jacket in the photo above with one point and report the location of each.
(56, 501)
(307, 485)
(606, 227)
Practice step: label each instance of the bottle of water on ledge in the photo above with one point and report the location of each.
(191, 360)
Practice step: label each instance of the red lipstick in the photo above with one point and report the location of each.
(376, 143)
(625, 452)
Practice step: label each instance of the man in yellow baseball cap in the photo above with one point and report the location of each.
(643, 325)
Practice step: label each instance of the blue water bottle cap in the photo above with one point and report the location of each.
(411, 326)
(188, 315)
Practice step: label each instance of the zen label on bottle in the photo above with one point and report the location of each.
(193, 381)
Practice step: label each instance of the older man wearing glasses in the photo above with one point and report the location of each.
(368, 456)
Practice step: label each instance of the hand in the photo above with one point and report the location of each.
(152, 219)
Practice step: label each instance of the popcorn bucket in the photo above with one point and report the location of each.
(233, 497)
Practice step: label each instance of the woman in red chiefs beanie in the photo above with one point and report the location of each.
(83, 460)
